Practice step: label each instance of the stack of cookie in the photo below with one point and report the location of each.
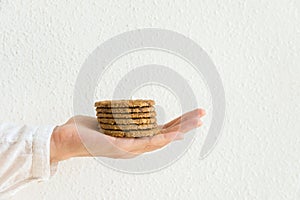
(127, 118)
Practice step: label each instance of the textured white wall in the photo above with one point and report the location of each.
(255, 45)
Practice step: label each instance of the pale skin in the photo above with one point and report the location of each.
(80, 137)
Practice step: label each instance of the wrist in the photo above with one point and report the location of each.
(65, 143)
(59, 145)
(54, 157)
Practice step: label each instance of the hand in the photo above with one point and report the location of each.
(80, 137)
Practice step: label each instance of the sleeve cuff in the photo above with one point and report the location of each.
(41, 168)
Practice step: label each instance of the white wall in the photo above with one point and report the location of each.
(255, 46)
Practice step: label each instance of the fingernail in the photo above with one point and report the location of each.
(203, 112)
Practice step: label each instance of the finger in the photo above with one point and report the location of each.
(171, 134)
(159, 141)
(162, 140)
(167, 135)
(184, 127)
(145, 144)
(197, 113)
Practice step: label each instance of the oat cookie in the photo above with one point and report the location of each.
(128, 127)
(127, 121)
(126, 115)
(125, 103)
(125, 110)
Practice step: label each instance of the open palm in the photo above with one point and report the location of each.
(82, 138)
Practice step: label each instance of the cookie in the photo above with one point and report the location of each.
(131, 134)
(124, 103)
(126, 115)
(125, 110)
(127, 121)
(128, 127)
